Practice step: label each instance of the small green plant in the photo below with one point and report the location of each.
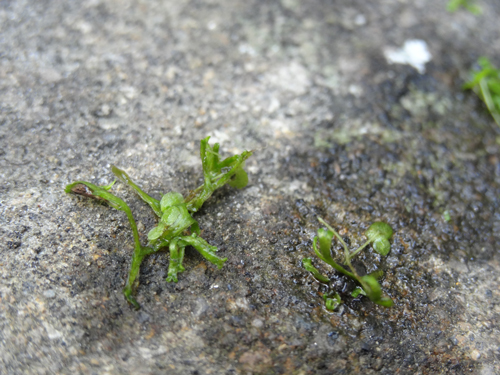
(486, 84)
(332, 301)
(454, 5)
(378, 235)
(174, 212)
(447, 216)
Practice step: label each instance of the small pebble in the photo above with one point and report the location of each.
(49, 293)
(257, 323)
(475, 355)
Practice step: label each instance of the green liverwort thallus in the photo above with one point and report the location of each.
(174, 212)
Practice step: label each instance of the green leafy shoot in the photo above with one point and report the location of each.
(485, 82)
(217, 173)
(378, 235)
(332, 302)
(454, 5)
(174, 213)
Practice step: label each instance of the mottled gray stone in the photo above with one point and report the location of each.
(337, 133)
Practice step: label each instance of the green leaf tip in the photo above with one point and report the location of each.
(380, 233)
(171, 199)
(174, 213)
(307, 263)
(332, 302)
(175, 266)
(240, 178)
(108, 187)
(156, 232)
(485, 82)
(217, 173)
(469, 5)
(325, 242)
(379, 229)
(382, 246)
(374, 291)
(356, 292)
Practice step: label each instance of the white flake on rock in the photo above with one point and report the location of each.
(414, 52)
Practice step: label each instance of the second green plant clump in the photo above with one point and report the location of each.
(486, 83)
(378, 235)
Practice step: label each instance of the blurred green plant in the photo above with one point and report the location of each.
(485, 82)
(454, 5)
(176, 228)
(332, 301)
(378, 235)
(447, 216)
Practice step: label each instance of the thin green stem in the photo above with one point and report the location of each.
(346, 250)
(330, 261)
(153, 203)
(217, 177)
(351, 255)
(194, 192)
(489, 101)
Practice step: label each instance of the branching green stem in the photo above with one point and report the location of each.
(378, 233)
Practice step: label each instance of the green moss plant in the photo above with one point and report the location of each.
(176, 228)
(378, 235)
(486, 84)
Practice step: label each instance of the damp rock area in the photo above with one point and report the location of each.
(355, 113)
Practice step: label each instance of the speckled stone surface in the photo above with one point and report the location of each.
(337, 133)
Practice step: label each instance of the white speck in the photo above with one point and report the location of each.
(212, 25)
(274, 104)
(242, 303)
(414, 52)
(129, 92)
(355, 90)
(296, 185)
(218, 136)
(257, 323)
(214, 286)
(49, 293)
(360, 20)
(292, 77)
(148, 353)
(475, 355)
(52, 333)
(246, 49)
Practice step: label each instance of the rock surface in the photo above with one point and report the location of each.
(337, 131)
